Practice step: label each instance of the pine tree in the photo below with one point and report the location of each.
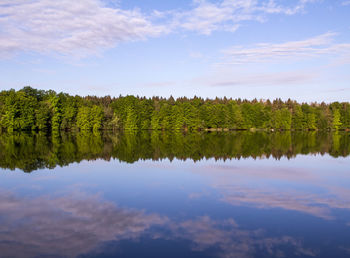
(336, 119)
(131, 119)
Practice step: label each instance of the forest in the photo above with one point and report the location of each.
(31, 109)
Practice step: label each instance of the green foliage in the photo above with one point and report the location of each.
(90, 118)
(96, 113)
(336, 119)
(131, 119)
(155, 121)
(31, 109)
(18, 111)
(298, 121)
(69, 109)
(56, 115)
(84, 119)
(282, 119)
(42, 115)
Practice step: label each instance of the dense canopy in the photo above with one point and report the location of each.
(39, 110)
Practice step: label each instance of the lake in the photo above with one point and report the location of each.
(157, 194)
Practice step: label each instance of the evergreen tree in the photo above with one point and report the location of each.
(336, 119)
(96, 114)
(84, 119)
(131, 119)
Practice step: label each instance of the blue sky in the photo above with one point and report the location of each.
(297, 49)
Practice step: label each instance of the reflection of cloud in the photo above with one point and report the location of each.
(301, 190)
(282, 173)
(195, 195)
(346, 249)
(79, 223)
(65, 226)
(292, 200)
(233, 241)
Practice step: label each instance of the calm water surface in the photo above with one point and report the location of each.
(239, 194)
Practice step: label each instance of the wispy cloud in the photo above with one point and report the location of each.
(196, 54)
(262, 79)
(85, 27)
(337, 90)
(276, 64)
(321, 45)
(206, 17)
(69, 27)
(344, 3)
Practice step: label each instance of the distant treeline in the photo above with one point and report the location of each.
(38, 110)
(30, 151)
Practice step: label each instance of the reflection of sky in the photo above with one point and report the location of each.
(80, 223)
(235, 208)
(309, 185)
(65, 226)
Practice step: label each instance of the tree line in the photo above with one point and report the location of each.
(30, 151)
(30, 109)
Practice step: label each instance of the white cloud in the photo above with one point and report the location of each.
(85, 27)
(275, 64)
(69, 27)
(321, 45)
(272, 7)
(227, 15)
(261, 79)
(196, 54)
(345, 3)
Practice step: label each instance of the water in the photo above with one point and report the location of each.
(239, 194)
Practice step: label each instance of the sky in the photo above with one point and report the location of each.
(264, 49)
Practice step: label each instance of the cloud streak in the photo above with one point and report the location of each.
(345, 3)
(206, 17)
(262, 79)
(242, 65)
(319, 46)
(84, 27)
(69, 27)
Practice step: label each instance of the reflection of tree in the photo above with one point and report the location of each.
(336, 141)
(32, 151)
